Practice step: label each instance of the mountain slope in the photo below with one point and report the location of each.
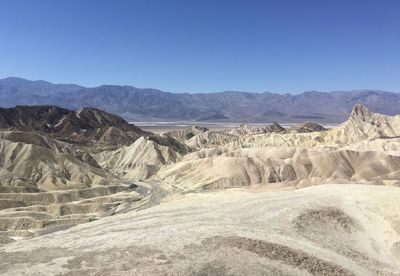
(85, 125)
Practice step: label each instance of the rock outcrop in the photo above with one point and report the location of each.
(305, 128)
(186, 133)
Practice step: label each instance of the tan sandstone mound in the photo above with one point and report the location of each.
(143, 158)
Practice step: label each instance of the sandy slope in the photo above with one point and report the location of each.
(321, 230)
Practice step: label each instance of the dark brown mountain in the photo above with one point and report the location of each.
(85, 125)
(305, 127)
(275, 127)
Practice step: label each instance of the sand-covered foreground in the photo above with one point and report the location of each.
(321, 230)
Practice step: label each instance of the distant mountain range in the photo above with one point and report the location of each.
(137, 104)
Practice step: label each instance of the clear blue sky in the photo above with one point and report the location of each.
(204, 45)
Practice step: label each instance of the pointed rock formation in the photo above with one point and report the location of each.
(367, 124)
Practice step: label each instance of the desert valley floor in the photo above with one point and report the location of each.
(86, 193)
